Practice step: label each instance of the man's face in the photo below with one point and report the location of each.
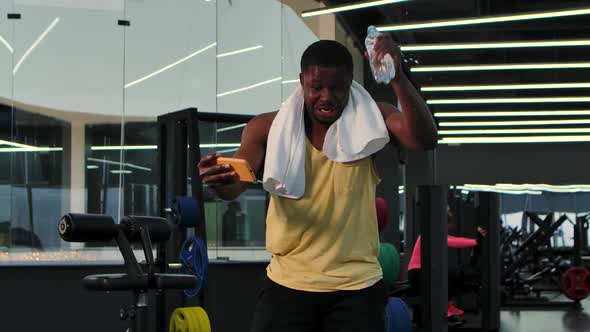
(325, 91)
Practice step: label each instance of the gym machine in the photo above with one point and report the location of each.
(535, 266)
(430, 307)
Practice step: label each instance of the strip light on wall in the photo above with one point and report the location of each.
(244, 50)
(516, 139)
(31, 149)
(249, 87)
(474, 46)
(528, 187)
(176, 63)
(35, 44)
(242, 125)
(540, 86)
(290, 81)
(514, 123)
(515, 66)
(112, 162)
(486, 20)
(467, 188)
(509, 100)
(516, 131)
(510, 113)
(154, 147)
(6, 44)
(348, 7)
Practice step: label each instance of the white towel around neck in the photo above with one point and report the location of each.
(358, 133)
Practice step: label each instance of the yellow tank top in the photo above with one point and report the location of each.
(328, 240)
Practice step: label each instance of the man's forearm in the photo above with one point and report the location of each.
(415, 113)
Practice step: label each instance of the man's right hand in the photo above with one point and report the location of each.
(216, 176)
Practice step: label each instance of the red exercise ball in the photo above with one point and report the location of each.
(382, 212)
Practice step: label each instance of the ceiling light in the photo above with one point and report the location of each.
(467, 188)
(290, 81)
(508, 100)
(484, 20)
(239, 51)
(231, 127)
(515, 66)
(121, 171)
(510, 113)
(112, 162)
(506, 87)
(347, 7)
(128, 85)
(154, 147)
(19, 145)
(514, 123)
(516, 131)
(6, 44)
(31, 149)
(514, 139)
(35, 44)
(472, 46)
(91, 166)
(253, 86)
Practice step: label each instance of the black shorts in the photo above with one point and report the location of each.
(281, 309)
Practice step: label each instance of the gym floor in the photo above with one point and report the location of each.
(544, 320)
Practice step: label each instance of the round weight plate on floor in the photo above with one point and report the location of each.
(186, 210)
(189, 319)
(397, 316)
(575, 283)
(389, 260)
(194, 260)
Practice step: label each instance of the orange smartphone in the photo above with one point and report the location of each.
(241, 166)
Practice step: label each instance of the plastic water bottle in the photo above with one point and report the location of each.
(385, 71)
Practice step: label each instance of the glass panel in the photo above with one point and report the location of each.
(67, 87)
(6, 124)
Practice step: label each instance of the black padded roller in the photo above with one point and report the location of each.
(158, 228)
(78, 227)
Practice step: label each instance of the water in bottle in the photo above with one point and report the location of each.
(385, 71)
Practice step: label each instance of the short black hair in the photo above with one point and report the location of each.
(326, 53)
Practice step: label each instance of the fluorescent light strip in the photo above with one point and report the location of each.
(506, 87)
(473, 46)
(5, 43)
(514, 123)
(516, 131)
(128, 85)
(467, 188)
(121, 171)
(220, 130)
(18, 145)
(111, 162)
(239, 51)
(510, 113)
(509, 139)
(528, 187)
(228, 150)
(35, 44)
(92, 167)
(354, 6)
(484, 20)
(31, 149)
(291, 81)
(124, 147)
(516, 66)
(509, 100)
(154, 147)
(253, 86)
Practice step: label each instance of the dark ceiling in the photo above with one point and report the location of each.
(548, 29)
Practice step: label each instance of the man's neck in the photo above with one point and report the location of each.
(316, 132)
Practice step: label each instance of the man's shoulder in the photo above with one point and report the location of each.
(261, 123)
